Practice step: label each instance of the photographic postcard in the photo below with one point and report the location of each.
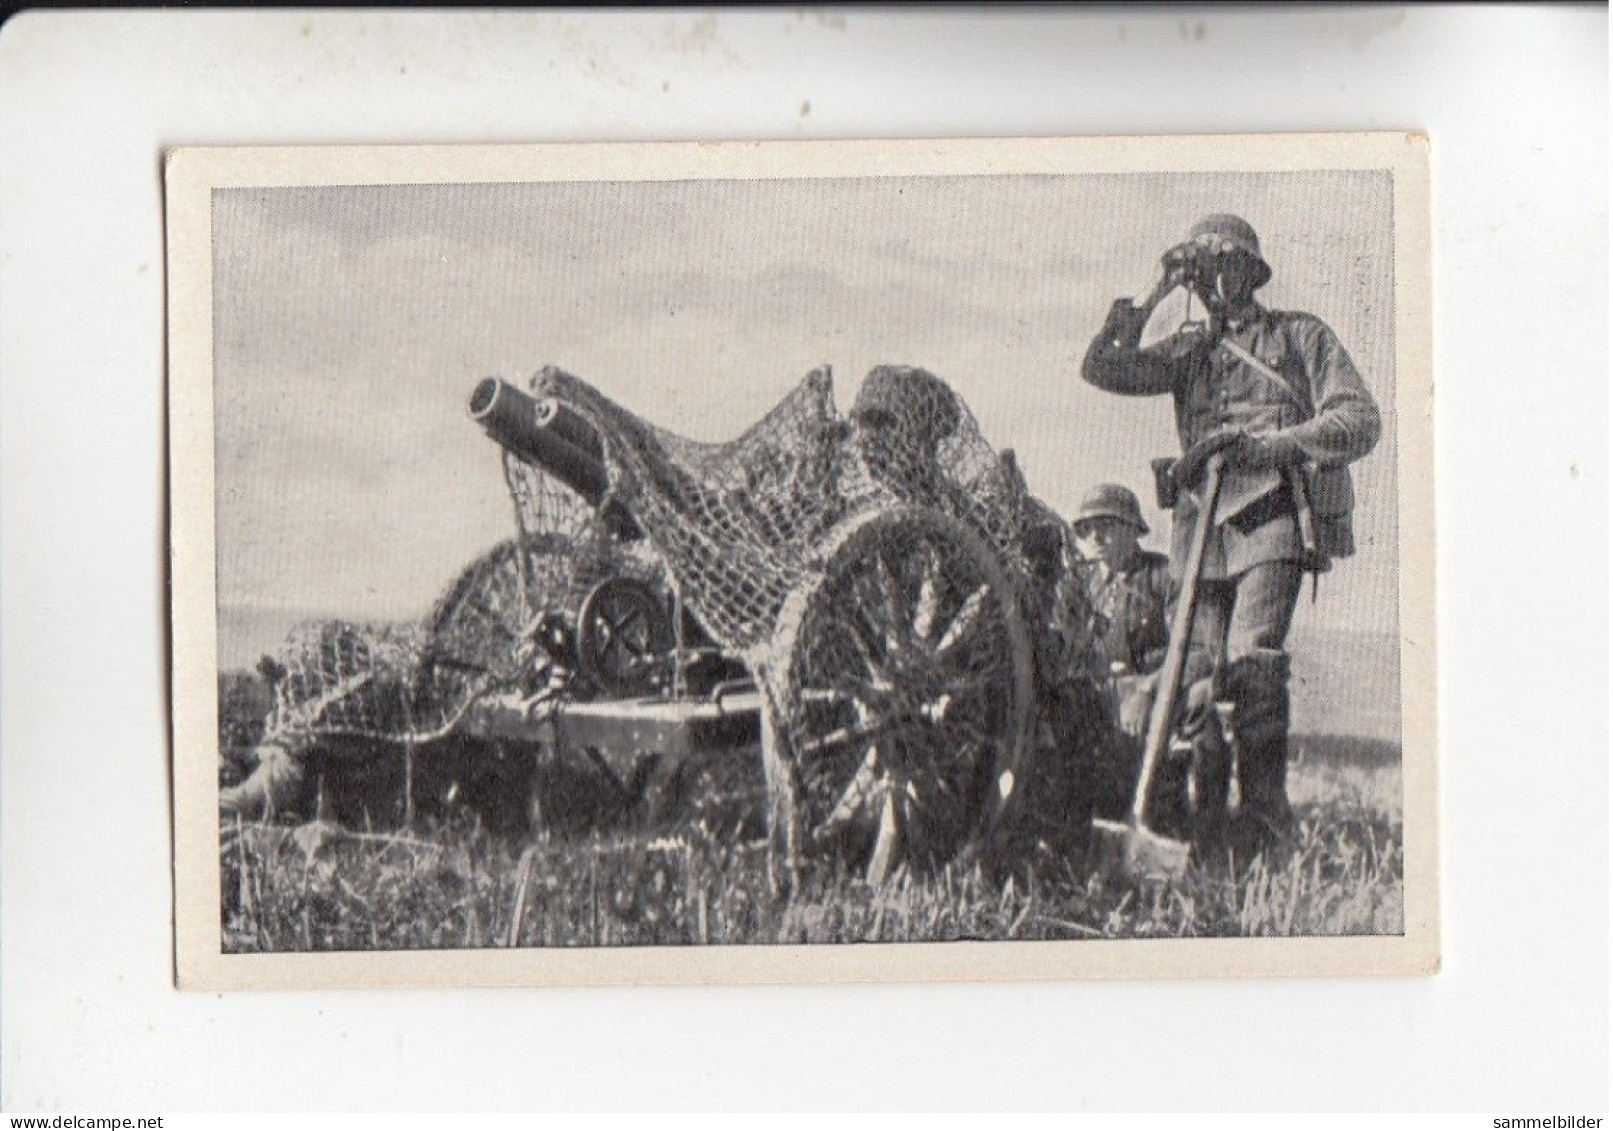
(650, 563)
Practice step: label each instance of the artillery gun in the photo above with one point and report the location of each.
(854, 615)
(839, 617)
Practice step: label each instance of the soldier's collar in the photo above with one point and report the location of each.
(1119, 572)
(1247, 317)
(1134, 563)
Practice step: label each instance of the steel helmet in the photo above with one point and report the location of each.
(915, 399)
(1224, 233)
(1111, 500)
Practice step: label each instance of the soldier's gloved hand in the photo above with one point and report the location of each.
(1190, 468)
(1270, 451)
(1175, 269)
(1136, 707)
(1198, 708)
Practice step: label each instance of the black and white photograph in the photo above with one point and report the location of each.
(649, 563)
(871, 558)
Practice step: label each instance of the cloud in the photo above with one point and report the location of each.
(350, 322)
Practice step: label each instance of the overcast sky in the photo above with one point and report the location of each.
(351, 322)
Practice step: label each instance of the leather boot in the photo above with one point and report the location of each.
(1258, 687)
(1202, 777)
(1169, 812)
(1210, 792)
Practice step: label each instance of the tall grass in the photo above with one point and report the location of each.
(450, 883)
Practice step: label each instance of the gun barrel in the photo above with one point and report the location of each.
(552, 438)
(569, 425)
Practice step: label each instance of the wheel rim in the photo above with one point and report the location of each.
(477, 626)
(477, 632)
(909, 688)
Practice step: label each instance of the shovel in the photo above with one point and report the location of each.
(1131, 847)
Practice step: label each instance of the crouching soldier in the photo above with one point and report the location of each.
(1127, 592)
(1127, 587)
(902, 415)
(1279, 396)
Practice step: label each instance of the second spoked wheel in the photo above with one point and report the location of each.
(905, 696)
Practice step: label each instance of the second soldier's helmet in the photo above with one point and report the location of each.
(1111, 500)
(1223, 233)
(915, 401)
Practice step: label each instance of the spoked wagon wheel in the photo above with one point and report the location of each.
(477, 632)
(624, 634)
(903, 702)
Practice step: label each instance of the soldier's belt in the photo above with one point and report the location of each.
(1274, 504)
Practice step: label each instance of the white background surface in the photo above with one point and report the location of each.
(1516, 103)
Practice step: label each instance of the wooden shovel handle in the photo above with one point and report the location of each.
(1170, 684)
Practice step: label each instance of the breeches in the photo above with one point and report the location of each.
(1241, 615)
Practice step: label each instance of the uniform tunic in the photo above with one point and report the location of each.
(1129, 607)
(1330, 416)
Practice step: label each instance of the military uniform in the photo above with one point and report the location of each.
(1333, 421)
(1284, 379)
(1130, 607)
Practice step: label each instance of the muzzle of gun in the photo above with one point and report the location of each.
(554, 439)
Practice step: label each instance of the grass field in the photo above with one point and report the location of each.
(448, 882)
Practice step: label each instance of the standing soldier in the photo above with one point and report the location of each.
(1277, 394)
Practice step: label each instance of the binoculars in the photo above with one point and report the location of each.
(1197, 258)
(1195, 261)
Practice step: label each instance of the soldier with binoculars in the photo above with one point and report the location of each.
(1279, 396)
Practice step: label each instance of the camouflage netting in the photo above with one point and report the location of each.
(878, 574)
(733, 528)
(741, 524)
(883, 576)
(340, 678)
(414, 682)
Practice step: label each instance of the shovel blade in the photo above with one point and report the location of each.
(1132, 850)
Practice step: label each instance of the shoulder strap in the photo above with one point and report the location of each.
(1265, 371)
